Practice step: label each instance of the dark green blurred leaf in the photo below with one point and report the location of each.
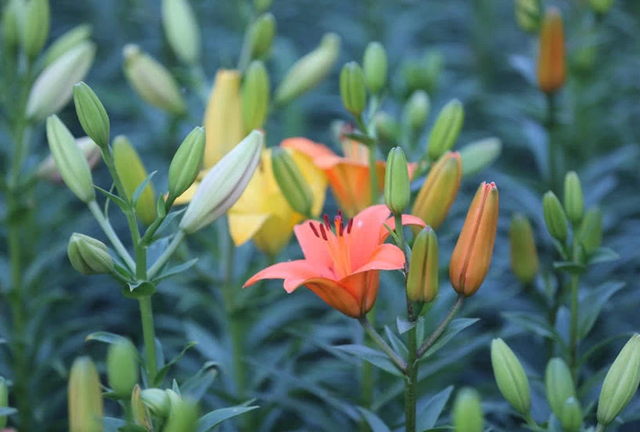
(570, 267)
(591, 305)
(214, 418)
(373, 420)
(175, 270)
(429, 412)
(375, 357)
(163, 371)
(603, 255)
(455, 327)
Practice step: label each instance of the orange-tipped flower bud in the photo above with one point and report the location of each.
(551, 64)
(472, 255)
(439, 190)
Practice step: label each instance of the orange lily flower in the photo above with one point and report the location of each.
(342, 268)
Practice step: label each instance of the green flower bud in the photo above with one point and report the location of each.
(70, 160)
(309, 71)
(152, 81)
(397, 190)
(186, 163)
(554, 217)
(174, 399)
(122, 367)
(139, 411)
(528, 15)
(53, 88)
(524, 257)
(601, 6)
(11, 16)
(89, 256)
(262, 5)
(416, 111)
(184, 417)
(4, 400)
(446, 129)
(66, 42)
(291, 182)
(422, 281)
(375, 67)
(479, 155)
(49, 171)
(559, 385)
(92, 115)
(157, 401)
(224, 184)
(182, 30)
(85, 397)
(573, 197)
(467, 412)
(387, 127)
(571, 417)
(621, 382)
(423, 74)
(35, 27)
(353, 89)
(132, 173)
(590, 233)
(255, 96)
(510, 377)
(261, 34)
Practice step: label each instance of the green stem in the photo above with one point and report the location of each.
(149, 335)
(573, 335)
(393, 356)
(410, 383)
(441, 328)
(162, 260)
(530, 421)
(600, 428)
(550, 123)
(111, 235)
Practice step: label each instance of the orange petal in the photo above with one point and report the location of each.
(294, 273)
(336, 296)
(386, 257)
(406, 220)
(308, 147)
(365, 288)
(314, 249)
(364, 238)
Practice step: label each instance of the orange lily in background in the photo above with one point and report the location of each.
(551, 61)
(342, 267)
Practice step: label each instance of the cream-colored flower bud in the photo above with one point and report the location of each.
(182, 30)
(67, 41)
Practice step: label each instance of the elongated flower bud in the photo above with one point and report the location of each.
(621, 382)
(132, 173)
(157, 401)
(35, 27)
(471, 257)
(186, 163)
(152, 81)
(559, 385)
(387, 127)
(53, 88)
(182, 30)
(573, 197)
(309, 71)
(91, 113)
(88, 255)
(85, 397)
(554, 217)
(416, 111)
(528, 15)
(223, 117)
(590, 233)
(139, 411)
(66, 42)
(353, 89)
(10, 24)
(601, 6)
(49, 171)
(446, 129)
(422, 281)
(122, 367)
(571, 416)
(255, 96)
(291, 182)
(262, 5)
(4, 400)
(70, 160)
(551, 61)
(524, 257)
(439, 190)
(375, 66)
(261, 35)
(479, 155)
(510, 377)
(224, 184)
(397, 190)
(467, 412)
(184, 417)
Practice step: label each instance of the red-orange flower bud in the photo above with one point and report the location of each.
(472, 255)
(551, 61)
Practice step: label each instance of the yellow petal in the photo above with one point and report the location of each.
(244, 226)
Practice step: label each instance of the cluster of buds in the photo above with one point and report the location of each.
(561, 395)
(354, 81)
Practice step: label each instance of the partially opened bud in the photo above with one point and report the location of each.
(375, 66)
(4, 400)
(132, 173)
(559, 385)
(35, 27)
(152, 81)
(10, 24)
(309, 71)
(571, 416)
(224, 184)
(510, 377)
(139, 412)
(262, 5)
(416, 111)
(471, 257)
(85, 397)
(122, 367)
(554, 217)
(184, 417)
(446, 129)
(66, 42)
(157, 401)
(49, 171)
(590, 233)
(53, 88)
(291, 182)
(467, 412)
(621, 382)
(422, 281)
(387, 127)
(261, 34)
(186, 163)
(573, 197)
(255, 96)
(182, 30)
(601, 6)
(479, 155)
(70, 160)
(528, 14)
(91, 113)
(89, 256)
(353, 89)
(439, 190)
(397, 190)
(524, 257)
(551, 61)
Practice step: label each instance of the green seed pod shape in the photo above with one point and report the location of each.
(255, 96)
(555, 217)
(573, 198)
(591, 230)
(186, 163)
(524, 257)
(446, 129)
(510, 377)
(85, 397)
(353, 89)
(375, 66)
(559, 385)
(92, 115)
(291, 182)
(467, 412)
(422, 281)
(397, 190)
(122, 367)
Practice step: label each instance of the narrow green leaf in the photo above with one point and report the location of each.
(534, 324)
(375, 357)
(404, 325)
(214, 418)
(172, 271)
(591, 305)
(429, 412)
(138, 290)
(373, 421)
(140, 189)
(102, 336)
(163, 372)
(455, 327)
(603, 255)
(396, 343)
(570, 267)
(124, 206)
